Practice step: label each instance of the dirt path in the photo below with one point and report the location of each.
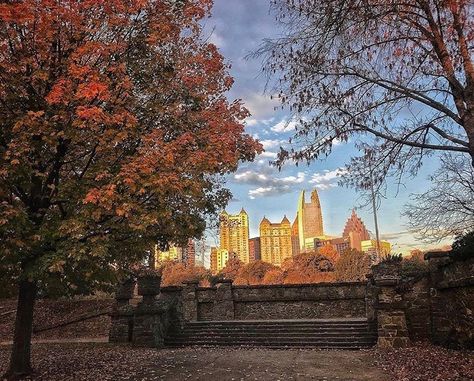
(106, 362)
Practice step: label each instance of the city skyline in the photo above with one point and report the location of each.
(258, 186)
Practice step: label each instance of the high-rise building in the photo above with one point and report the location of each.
(189, 253)
(295, 240)
(310, 220)
(234, 234)
(356, 231)
(340, 244)
(275, 241)
(185, 254)
(370, 248)
(214, 260)
(222, 258)
(254, 249)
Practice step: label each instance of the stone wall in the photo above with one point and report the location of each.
(437, 305)
(304, 301)
(452, 301)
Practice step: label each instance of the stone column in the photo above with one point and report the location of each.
(391, 320)
(190, 301)
(224, 302)
(121, 327)
(148, 316)
(440, 325)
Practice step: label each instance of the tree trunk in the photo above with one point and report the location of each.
(20, 360)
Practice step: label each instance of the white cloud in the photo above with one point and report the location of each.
(268, 184)
(326, 179)
(268, 154)
(284, 126)
(271, 143)
(261, 107)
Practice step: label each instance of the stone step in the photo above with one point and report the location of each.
(277, 329)
(321, 335)
(280, 322)
(280, 343)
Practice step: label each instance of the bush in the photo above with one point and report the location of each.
(353, 266)
(463, 247)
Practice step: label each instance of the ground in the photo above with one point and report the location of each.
(50, 313)
(106, 362)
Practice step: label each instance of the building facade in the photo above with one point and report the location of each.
(310, 220)
(185, 254)
(370, 248)
(254, 249)
(234, 234)
(355, 231)
(213, 260)
(275, 241)
(340, 244)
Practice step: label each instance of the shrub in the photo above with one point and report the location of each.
(463, 247)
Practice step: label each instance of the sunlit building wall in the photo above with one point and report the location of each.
(234, 234)
(275, 241)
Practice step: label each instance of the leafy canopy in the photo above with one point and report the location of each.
(115, 131)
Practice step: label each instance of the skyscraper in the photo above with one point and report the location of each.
(275, 241)
(356, 231)
(254, 249)
(234, 234)
(310, 220)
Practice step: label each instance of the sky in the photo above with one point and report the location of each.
(238, 28)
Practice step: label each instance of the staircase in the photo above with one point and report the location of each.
(325, 334)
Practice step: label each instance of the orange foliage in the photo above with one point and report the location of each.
(253, 273)
(176, 273)
(330, 253)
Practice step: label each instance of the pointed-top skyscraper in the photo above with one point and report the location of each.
(356, 231)
(234, 234)
(310, 220)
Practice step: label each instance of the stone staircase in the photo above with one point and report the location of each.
(324, 334)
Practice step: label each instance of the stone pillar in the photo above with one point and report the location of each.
(391, 320)
(121, 327)
(190, 301)
(224, 302)
(147, 321)
(440, 326)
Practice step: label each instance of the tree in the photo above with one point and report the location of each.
(353, 266)
(274, 276)
(330, 253)
(115, 132)
(253, 273)
(176, 273)
(463, 247)
(231, 269)
(447, 208)
(308, 268)
(395, 77)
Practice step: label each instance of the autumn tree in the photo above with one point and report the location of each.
(446, 209)
(231, 269)
(253, 273)
(308, 268)
(397, 78)
(115, 132)
(330, 253)
(274, 276)
(176, 273)
(353, 266)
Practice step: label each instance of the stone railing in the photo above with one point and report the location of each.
(148, 322)
(266, 302)
(438, 305)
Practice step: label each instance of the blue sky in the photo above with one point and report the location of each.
(238, 28)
